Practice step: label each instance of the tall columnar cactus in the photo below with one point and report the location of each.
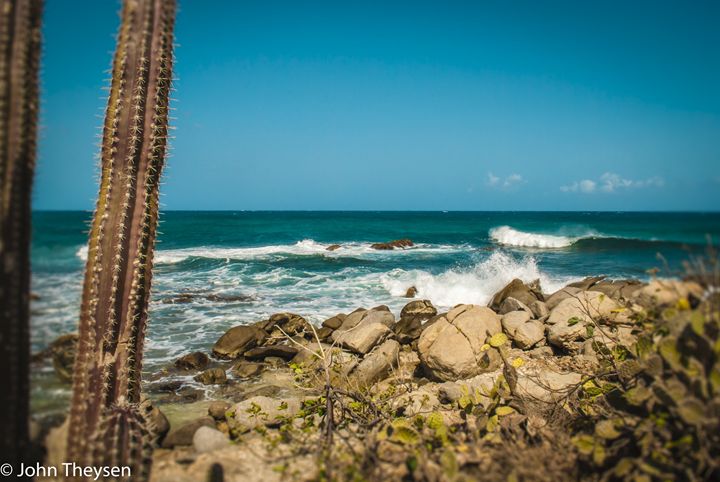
(106, 426)
(19, 58)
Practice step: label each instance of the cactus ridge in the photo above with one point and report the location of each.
(19, 62)
(118, 274)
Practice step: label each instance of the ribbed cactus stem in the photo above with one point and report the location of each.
(113, 318)
(19, 58)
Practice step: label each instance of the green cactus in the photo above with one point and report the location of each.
(19, 59)
(106, 426)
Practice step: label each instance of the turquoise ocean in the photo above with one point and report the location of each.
(215, 270)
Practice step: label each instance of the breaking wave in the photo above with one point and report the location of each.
(508, 236)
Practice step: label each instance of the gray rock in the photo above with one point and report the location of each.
(238, 340)
(376, 364)
(208, 439)
(587, 306)
(553, 300)
(335, 322)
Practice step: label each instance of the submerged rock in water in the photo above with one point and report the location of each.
(196, 360)
(390, 245)
(212, 376)
(333, 247)
(411, 292)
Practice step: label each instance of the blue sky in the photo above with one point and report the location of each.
(407, 105)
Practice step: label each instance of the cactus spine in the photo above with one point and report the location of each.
(106, 426)
(20, 45)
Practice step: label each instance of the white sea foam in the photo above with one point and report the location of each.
(474, 285)
(512, 237)
(307, 247)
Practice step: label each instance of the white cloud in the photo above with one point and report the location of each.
(610, 182)
(504, 183)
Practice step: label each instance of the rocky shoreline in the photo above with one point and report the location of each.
(285, 393)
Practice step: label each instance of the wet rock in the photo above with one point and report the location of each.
(284, 352)
(412, 318)
(246, 369)
(398, 243)
(263, 411)
(238, 340)
(207, 439)
(376, 364)
(333, 247)
(218, 409)
(193, 361)
(419, 307)
(184, 434)
(451, 348)
(411, 292)
(525, 293)
(212, 376)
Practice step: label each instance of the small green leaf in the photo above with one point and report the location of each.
(606, 429)
(504, 410)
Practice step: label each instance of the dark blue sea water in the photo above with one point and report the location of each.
(266, 262)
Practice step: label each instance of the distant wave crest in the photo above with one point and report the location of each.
(306, 247)
(508, 236)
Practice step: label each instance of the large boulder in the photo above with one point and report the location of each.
(376, 364)
(666, 292)
(237, 340)
(286, 352)
(281, 325)
(363, 329)
(452, 347)
(619, 290)
(525, 293)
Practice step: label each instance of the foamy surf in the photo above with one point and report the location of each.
(475, 285)
(306, 247)
(508, 236)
